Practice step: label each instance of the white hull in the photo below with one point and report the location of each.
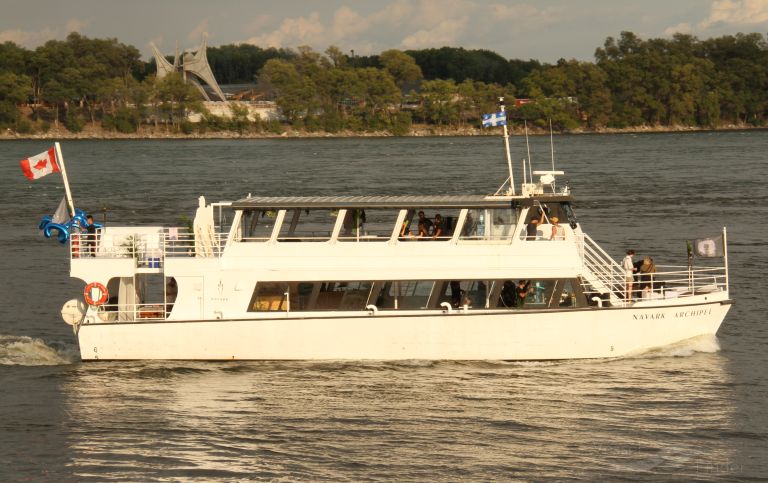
(476, 335)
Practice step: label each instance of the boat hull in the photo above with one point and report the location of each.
(458, 335)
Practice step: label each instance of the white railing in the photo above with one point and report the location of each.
(133, 312)
(604, 276)
(149, 247)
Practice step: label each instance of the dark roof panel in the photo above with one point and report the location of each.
(370, 202)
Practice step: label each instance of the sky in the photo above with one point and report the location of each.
(545, 30)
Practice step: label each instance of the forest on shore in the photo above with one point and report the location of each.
(103, 85)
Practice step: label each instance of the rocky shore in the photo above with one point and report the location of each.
(150, 132)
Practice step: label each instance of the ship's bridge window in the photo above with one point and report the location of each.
(368, 225)
(429, 224)
(307, 225)
(489, 224)
(257, 225)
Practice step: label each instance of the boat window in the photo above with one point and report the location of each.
(342, 296)
(503, 221)
(368, 225)
(307, 225)
(472, 293)
(405, 294)
(269, 297)
(571, 295)
(435, 224)
(489, 224)
(257, 225)
(527, 294)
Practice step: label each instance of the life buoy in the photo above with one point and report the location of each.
(102, 289)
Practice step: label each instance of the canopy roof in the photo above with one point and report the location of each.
(399, 202)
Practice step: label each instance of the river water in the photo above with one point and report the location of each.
(694, 411)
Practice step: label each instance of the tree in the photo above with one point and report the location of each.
(438, 102)
(14, 89)
(177, 98)
(402, 67)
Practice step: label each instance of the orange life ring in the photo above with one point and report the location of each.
(87, 294)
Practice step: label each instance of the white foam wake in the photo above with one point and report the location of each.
(28, 351)
(702, 343)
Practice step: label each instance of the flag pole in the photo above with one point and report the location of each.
(60, 161)
(725, 257)
(506, 145)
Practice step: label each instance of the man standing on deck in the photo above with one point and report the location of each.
(629, 274)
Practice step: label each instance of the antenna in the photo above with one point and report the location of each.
(552, 149)
(528, 149)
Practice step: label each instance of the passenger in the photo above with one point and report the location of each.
(646, 271)
(354, 222)
(456, 294)
(508, 297)
(629, 274)
(90, 237)
(404, 230)
(469, 225)
(437, 227)
(425, 225)
(558, 232)
(521, 292)
(533, 226)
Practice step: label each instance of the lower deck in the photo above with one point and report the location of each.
(447, 334)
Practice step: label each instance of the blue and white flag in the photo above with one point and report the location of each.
(495, 119)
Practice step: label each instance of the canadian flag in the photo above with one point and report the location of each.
(35, 167)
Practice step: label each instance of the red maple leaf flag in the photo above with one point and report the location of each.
(35, 167)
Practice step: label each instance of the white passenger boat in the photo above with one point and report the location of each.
(351, 277)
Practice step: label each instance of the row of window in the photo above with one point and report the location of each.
(415, 295)
(379, 224)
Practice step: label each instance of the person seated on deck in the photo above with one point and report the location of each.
(437, 227)
(425, 225)
(405, 232)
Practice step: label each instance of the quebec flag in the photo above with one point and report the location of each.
(495, 119)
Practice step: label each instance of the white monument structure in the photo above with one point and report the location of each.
(193, 66)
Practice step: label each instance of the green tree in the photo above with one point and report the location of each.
(177, 98)
(438, 102)
(402, 67)
(14, 89)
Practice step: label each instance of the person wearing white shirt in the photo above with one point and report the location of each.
(629, 274)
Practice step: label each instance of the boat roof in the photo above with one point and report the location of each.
(401, 202)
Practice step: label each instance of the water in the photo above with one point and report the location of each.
(694, 411)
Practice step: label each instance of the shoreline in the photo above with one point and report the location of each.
(150, 133)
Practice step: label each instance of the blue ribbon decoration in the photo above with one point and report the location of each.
(78, 222)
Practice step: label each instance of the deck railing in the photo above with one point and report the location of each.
(149, 247)
(604, 277)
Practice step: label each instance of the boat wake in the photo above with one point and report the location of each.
(29, 351)
(684, 348)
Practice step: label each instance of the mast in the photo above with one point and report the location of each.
(506, 146)
(552, 151)
(725, 257)
(60, 161)
(527, 148)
